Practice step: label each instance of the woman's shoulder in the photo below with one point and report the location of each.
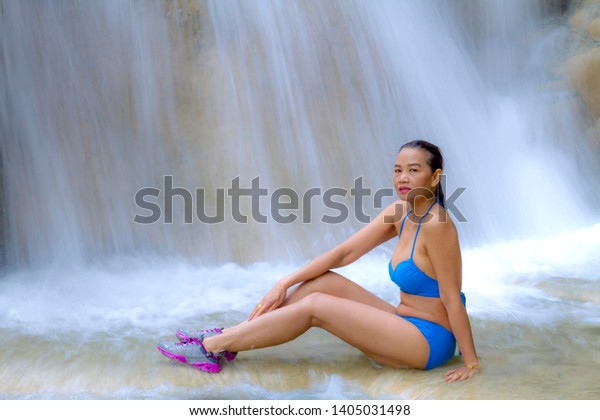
(441, 236)
(440, 224)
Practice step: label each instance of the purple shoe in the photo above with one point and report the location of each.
(188, 336)
(192, 353)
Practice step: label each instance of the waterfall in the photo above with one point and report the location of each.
(163, 163)
(103, 100)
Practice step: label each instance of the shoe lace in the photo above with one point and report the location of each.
(211, 330)
(191, 346)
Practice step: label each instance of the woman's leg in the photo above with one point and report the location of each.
(381, 335)
(334, 284)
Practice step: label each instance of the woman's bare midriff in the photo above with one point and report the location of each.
(429, 309)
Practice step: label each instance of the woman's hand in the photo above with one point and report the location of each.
(462, 373)
(272, 300)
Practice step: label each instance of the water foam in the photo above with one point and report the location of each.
(499, 279)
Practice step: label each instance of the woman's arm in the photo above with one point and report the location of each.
(378, 231)
(444, 252)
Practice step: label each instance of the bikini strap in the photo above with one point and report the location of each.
(402, 225)
(419, 226)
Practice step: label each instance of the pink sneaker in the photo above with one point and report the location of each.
(192, 353)
(187, 336)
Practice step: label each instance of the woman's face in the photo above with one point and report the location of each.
(413, 176)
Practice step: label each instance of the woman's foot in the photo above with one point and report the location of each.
(192, 353)
(188, 336)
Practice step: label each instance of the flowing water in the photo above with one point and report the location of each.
(107, 99)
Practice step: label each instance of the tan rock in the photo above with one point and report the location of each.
(579, 20)
(594, 29)
(583, 73)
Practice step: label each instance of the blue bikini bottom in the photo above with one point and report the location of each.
(442, 344)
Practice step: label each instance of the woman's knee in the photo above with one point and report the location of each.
(313, 300)
(327, 282)
(312, 304)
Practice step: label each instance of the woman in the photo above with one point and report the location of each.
(421, 332)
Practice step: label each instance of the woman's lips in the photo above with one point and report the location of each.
(403, 190)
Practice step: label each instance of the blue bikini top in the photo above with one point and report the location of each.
(409, 278)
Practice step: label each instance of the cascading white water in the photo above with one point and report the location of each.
(104, 99)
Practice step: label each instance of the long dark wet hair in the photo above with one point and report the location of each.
(435, 161)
